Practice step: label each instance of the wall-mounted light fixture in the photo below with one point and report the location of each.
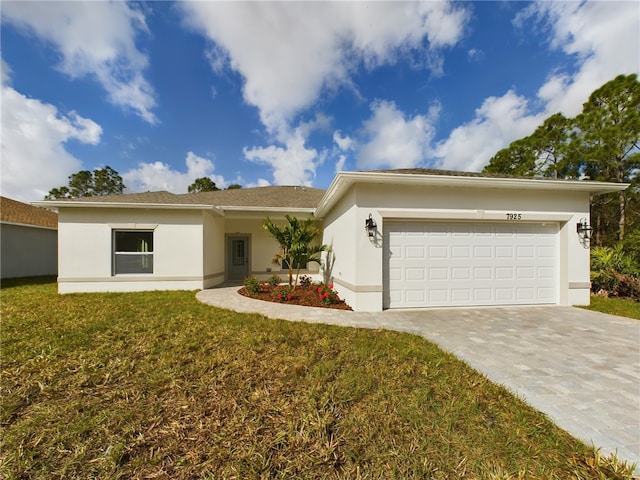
(584, 229)
(371, 226)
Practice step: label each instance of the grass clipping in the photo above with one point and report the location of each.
(157, 385)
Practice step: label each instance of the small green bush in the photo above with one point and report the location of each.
(326, 293)
(274, 280)
(282, 293)
(252, 285)
(615, 272)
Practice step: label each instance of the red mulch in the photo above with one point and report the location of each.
(304, 296)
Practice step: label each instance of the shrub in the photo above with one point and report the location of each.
(274, 280)
(282, 293)
(305, 281)
(626, 286)
(615, 272)
(326, 293)
(252, 285)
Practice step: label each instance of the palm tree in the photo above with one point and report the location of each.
(296, 244)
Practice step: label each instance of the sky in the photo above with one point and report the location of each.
(289, 93)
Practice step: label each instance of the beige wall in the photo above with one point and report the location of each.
(213, 249)
(189, 248)
(27, 251)
(360, 276)
(85, 249)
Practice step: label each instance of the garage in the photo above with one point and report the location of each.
(448, 263)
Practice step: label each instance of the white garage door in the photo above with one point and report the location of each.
(459, 264)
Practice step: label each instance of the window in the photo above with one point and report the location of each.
(132, 251)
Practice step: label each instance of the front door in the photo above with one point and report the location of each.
(237, 258)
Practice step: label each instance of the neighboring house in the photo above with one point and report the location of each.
(28, 240)
(440, 238)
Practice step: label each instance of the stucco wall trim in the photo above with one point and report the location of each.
(579, 285)
(358, 288)
(130, 278)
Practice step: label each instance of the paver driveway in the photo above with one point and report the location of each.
(581, 368)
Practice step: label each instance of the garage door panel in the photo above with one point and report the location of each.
(415, 274)
(470, 264)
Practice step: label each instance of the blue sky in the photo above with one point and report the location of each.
(261, 93)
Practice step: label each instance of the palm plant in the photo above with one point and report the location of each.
(296, 240)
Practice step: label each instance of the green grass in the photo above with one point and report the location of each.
(615, 306)
(157, 385)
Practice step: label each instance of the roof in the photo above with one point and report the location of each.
(293, 198)
(12, 211)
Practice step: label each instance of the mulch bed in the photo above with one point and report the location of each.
(304, 296)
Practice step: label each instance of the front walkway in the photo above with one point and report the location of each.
(581, 368)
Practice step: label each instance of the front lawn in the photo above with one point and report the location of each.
(158, 385)
(623, 307)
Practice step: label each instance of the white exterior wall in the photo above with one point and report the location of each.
(86, 254)
(355, 280)
(359, 276)
(213, 249)
(28, 251)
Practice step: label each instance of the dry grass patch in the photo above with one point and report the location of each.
(157, 385)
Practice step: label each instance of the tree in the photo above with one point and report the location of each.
(234, 186)
(296, 240)
(608, 137)
(203, 184)
(544, 153)
(100, 182)
(601, 143)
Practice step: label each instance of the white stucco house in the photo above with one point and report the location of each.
(28, 240)
(435, 239)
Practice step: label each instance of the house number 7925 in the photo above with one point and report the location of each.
(514, 216)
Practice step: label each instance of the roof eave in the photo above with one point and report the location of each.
(147, 206)
(344, 180)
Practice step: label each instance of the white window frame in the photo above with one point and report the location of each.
(146, 256)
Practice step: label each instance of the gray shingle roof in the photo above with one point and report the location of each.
(260, 197)
(455, 173)
(269, 197)
(12, 211)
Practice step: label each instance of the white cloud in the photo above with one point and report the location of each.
(95, 39)
(394, 140)
(160, 176)
(604, 38)
(498, 122)
(289, 51)
(344, 143)
(293, 164)
(34, 159)
(6, 72)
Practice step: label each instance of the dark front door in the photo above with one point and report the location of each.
(237, 258)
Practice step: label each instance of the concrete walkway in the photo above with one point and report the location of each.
(581, 368)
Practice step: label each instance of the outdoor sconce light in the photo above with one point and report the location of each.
(584, 229)
(370, 225)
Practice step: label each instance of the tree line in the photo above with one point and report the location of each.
(601, 143)
(107, 181)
